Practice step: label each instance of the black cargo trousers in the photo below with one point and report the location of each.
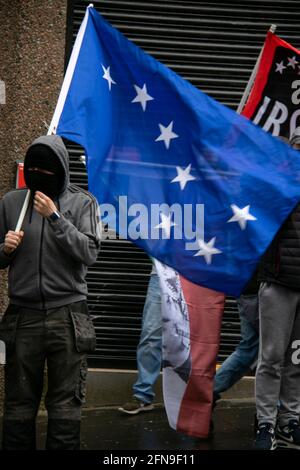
(59, 337)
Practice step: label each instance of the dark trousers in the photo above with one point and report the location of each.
(43, 337)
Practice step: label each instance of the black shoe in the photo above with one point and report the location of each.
(289, 436)
(265, 437)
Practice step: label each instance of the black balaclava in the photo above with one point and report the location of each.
(41, 156)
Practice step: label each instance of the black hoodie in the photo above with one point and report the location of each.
(281, 262)
(48, 268)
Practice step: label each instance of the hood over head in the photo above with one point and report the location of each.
(46, 165)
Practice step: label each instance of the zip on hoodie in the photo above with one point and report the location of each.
(40, 264)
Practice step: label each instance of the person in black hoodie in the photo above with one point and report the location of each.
(47, 320)
(278, 371)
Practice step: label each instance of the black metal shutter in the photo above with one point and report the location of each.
(214, 45)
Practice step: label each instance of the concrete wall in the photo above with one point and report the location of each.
(32, 51)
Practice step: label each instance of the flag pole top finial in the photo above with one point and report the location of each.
(91, 5)
(273, 28)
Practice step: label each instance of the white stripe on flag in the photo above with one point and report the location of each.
(176, 341)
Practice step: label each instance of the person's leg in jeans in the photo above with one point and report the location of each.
(289, 409)
(277, 306)
(245, 355)
(149, 350)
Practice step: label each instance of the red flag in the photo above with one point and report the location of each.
(192, 317)
(274, 100)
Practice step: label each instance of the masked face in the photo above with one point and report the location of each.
(40, 180)
(43, 171)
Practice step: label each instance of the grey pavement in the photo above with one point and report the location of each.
(108, 429)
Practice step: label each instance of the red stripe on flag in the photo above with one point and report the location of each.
(205, 308)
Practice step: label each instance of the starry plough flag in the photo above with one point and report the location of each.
(274, 100)
(153, 137)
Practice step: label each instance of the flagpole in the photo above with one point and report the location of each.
(69, 73)
(248, 88)
(61, 101)
(23, 212)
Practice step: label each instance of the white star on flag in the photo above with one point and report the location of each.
(183, 176)
(207, 249)
(241, 215)
(167, 134)
(107, 76)
(292, 62)
(142, 96)
(280, 67)
(166, 224)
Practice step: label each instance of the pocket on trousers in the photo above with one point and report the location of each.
(84, 332)
(8, 327)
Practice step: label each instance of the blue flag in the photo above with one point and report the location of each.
(196, 185)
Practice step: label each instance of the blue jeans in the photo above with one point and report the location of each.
(149, 350)
(245, 355)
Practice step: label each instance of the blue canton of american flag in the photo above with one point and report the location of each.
(153, 137)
